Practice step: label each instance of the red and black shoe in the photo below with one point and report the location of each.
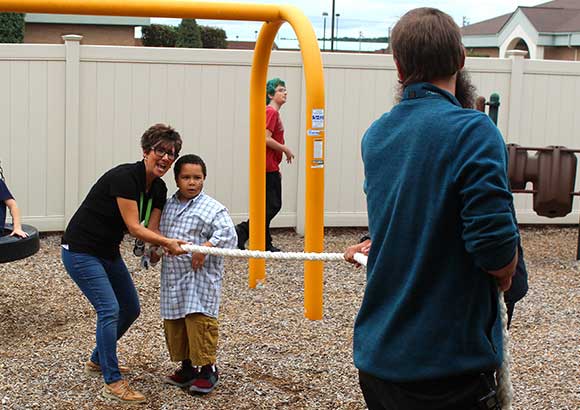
(206, 380)
(182, 377)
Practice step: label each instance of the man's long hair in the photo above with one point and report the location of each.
(427, 46)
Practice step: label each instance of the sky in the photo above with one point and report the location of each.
(363, 18)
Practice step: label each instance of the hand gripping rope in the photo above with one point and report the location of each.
(505, 389)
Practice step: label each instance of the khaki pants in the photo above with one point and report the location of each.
(194, 337)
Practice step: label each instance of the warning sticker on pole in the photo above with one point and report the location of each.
(318, 118)
(317, 152)
(317, 163)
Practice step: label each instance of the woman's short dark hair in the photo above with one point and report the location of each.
(160, 133)
(427, 46)
(189, 159)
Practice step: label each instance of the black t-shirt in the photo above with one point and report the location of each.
(97, 227)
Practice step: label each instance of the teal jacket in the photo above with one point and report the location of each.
(438, 203)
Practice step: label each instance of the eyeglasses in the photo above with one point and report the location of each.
(161, 152)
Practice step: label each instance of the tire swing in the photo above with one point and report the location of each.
(13, 248)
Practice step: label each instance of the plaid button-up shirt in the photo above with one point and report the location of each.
(183, 290)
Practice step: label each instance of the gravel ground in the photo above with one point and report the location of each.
(270, 357)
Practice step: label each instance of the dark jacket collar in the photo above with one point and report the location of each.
(421, 90)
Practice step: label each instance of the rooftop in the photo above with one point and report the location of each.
(93, 20)
(558, 16)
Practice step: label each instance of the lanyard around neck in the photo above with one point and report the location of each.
(147, 212)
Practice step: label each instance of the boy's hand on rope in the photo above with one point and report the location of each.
(198, 259)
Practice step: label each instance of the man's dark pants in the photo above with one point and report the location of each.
(455, 393)
(273, 206)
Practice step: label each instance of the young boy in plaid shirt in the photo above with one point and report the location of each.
(191, 283)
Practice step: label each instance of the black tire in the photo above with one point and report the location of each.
(13, 248)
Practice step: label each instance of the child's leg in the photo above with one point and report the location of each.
(176, 339)
(178, 348)
(202, 334)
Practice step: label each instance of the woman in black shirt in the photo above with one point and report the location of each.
(130, 198)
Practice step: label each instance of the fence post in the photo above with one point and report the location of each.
(72, 111)
(516, 90)
(301, 164)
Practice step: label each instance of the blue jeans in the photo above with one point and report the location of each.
(107, 284)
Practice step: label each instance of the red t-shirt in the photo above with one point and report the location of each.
(274, 124)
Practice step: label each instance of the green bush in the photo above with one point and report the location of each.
(188, 34)
(11, 27)
(159, 35)
(213, 37)
(475, 53)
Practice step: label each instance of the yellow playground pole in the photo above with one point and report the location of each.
(315, 152)
(257, 267)
(273, 16)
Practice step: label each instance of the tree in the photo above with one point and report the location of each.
(213, 37)
(11, 27)
(159, 35)
(188, 34)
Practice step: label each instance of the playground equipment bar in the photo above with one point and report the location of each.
(148, 8)
(273, 17)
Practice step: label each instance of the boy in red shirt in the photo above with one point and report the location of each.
(275, 98)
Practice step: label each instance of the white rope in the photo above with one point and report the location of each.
(361, 259)
(236, 253)
(505, 388)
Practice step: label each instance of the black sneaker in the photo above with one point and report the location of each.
(241, 238)
(206, 381)
(272, 248)
(182, 377)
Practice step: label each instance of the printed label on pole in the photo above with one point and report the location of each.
(317, 152)
(317, 118)
(317, 163)
(313, 133)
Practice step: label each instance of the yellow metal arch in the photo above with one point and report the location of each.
(273, 17)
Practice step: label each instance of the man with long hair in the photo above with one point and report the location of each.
(428, 333)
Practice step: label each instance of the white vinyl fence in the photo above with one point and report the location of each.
(69, 112)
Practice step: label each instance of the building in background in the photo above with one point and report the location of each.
(549, 31)
(96, 30)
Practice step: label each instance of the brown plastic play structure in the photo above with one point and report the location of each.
(551, 170)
